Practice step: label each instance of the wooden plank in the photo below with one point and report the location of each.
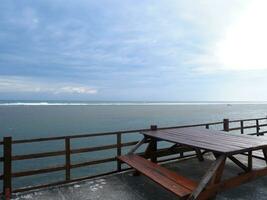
(118, 151)
(233, 182)
(250, 160)
(206, 139)
(256, 154)
(217, 177)
(196, 141)
(257, 127)
(150, 151)
(213, 135)
(73, 151)
(38, 155)
(173, 150)
(115, 132)
(153, 149)
(207, 177)
(242, 127)
(264, 151)
(92, 162)
(238, 137)
(173, 182)
(137, 146)
(101, 148)
(250, 119)
(38, 171)
(190, 141)
(67, 159)
(199, 154)
(238, 163)
(91, 149)
(226, 125)
(7, 180)
(246, 127)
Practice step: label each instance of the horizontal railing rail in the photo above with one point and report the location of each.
(8, 143)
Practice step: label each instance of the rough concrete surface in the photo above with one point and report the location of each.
(124, 186)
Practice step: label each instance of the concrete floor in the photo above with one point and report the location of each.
(127, 187)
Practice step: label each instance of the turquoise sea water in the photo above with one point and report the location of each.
(42, 119)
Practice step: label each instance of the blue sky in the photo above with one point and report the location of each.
(170, 50)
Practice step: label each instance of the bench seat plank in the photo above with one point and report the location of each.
(172, 181)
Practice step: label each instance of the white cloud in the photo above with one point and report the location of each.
(242, 44)
(22, 84)
(77, 89)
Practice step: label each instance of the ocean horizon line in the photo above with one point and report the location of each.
(126, 103)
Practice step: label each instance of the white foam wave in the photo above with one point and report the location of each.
(122, 103)
(39, 104)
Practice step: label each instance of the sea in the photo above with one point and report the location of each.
(37, 119)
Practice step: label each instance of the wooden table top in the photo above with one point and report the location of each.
(208, 139)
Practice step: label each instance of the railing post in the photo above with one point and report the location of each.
(242, 126)
(154, 145)
(257, 127)
(67, 159)
(226, 125)
(7, 181)
(118, 151)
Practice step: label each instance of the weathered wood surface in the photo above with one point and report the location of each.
(7, 181)
(210, 176)
(172, 181)
(211, 140)
(232, 182)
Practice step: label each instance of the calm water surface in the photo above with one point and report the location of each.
(34, 121)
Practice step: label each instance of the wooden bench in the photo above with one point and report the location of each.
(172, 181)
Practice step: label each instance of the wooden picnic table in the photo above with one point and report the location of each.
(223, 145)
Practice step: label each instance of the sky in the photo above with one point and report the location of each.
(151, 50)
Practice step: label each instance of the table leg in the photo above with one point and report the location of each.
(199, 154)
(140, 143)
(217, 177)
(240, 164)
(151, 150)
(249, 160)
(137, 146)
(154, 150)
(213, 175)
(264, 151)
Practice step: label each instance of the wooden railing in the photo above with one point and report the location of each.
(8, 157)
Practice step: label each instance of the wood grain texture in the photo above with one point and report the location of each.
(172, 181)
(212, 140)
